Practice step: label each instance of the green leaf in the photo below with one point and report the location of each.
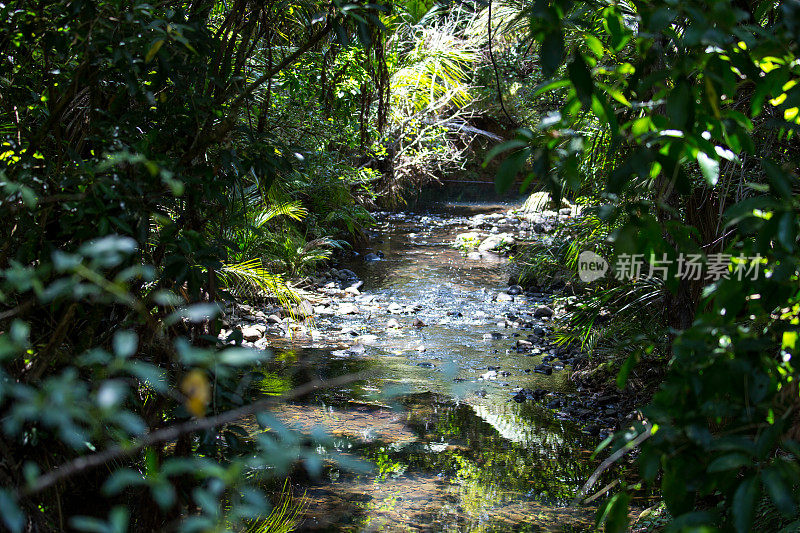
(10, 512)
(709, 167)
(744, 503)
(787, 230)
(154, 48)
(789, 340)
(509, 169)
(612, 22)
(677, 495)
(614, 514)
(729, 462)
(125, 343)
(625, 370)
(503, 147)
(780, 182)
(678, 103)
(581, 79)
(552, 52)
(778, 491)
(548, 86)
(595, 46)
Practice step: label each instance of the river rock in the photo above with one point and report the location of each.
(357, 349)
(543, 369)
(514, 290)
(303, 309)
(347, 309)
(418, 323)
(371, 258)
(253, 333)
(352, 290)
(504, 297)
(395, 308)
(392, 323)
(474, 256)
(469, 239)
(528, 394)
(495, 242)
(523, 345)
(542, 311)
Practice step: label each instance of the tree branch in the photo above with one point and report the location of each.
(81, 464)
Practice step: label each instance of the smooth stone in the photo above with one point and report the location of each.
(392, 323)
(418, 323)
(474, 256)
(514, 290)
(370, 258)
(347, 309)
(357, 349)
(352, 290)
(504, 297)
(493, 242)
(253, 333)
(542, 311)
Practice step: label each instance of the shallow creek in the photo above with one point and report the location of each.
(453, 452)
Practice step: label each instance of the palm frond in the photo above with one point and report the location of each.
(293, 210)
(248, 277)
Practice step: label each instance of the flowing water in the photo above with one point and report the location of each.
(451, 452)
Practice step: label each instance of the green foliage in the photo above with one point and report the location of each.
(151, 167)
(697, 104)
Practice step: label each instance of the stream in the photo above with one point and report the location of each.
(452, 450)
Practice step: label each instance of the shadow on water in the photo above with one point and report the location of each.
(453, 453)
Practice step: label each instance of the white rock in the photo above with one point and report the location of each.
(347, 309)
(253, 333)
(494, 242)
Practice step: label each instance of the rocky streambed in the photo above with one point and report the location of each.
(486, 429)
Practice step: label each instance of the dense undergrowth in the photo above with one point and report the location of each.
(156, 161)
(159, 159)
(675, 124)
